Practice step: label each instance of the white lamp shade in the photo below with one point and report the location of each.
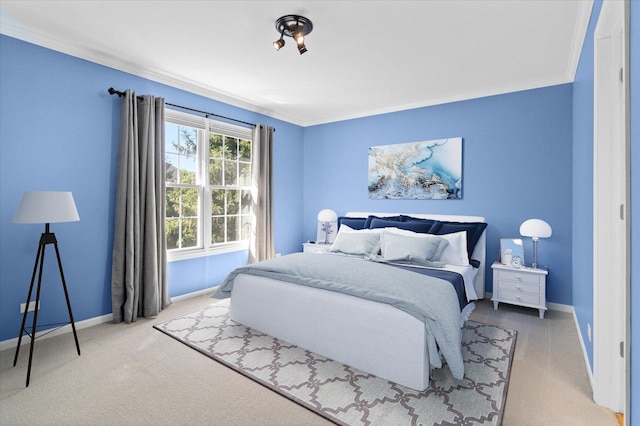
(46, 207)
(535, 228)
(327, 215)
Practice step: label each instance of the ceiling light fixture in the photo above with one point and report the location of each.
(279, 44)
(294, 26)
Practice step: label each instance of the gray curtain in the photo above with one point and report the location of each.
(139, 284)
(261, 244)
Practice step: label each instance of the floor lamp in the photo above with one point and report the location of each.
(44, 207)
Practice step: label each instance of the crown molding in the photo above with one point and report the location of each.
(8, 28)
(579, 36)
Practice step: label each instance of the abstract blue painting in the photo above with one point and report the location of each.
(427, 170)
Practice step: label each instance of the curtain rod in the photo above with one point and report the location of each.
(113, 91)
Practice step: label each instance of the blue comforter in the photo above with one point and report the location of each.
(431, 300)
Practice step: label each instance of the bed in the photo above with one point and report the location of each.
(374, 337)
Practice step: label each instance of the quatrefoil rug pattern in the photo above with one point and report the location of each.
(348, 396)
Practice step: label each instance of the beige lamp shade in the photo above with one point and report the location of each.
(46, 207)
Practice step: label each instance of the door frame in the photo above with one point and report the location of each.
(611, 207)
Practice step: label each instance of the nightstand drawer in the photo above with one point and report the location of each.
(519, 277)
(519, 287)
(517, 297)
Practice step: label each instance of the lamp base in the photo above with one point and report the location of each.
(326, 228)
(45, 239)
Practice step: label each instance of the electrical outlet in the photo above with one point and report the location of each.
(589, 331)
(32, 306)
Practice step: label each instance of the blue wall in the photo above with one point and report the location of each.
(59, 131)
(517, 165)
(583, 178)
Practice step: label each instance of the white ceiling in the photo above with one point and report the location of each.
(364, 58)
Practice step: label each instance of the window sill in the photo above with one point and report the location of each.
(211, 251)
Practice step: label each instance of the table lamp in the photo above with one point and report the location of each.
(536, 229)
(326, 218)
(44, 207)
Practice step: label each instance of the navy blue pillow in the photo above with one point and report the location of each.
(352, 222)
(405, 218)
(421, 227)
(370, 218)
(474, 231)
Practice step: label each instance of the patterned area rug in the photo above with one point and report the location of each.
(348, 396)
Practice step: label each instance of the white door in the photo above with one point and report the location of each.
(611, 208)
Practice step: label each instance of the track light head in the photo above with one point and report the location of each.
(278, 44)
(294, 26)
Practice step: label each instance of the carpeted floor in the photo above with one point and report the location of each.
(348, 396)
(130, 374)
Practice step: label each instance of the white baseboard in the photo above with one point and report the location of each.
(198, 293)
(568, 308)
(584, 350)
(45, 334)
(561, 307)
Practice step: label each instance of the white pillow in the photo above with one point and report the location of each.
(411, 246)
(456, 252)
(362, 242)
(401, 231)
(345, 229)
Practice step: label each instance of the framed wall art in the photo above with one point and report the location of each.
(426, 170)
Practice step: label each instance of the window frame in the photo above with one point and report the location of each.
(205, 126)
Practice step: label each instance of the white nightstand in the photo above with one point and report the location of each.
(315, 247)
(519, 286)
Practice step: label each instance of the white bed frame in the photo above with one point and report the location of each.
(373, 337)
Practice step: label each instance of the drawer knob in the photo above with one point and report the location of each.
(519, 288)
(518, 278)
(518, 297)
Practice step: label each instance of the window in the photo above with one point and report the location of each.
(208, 185)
